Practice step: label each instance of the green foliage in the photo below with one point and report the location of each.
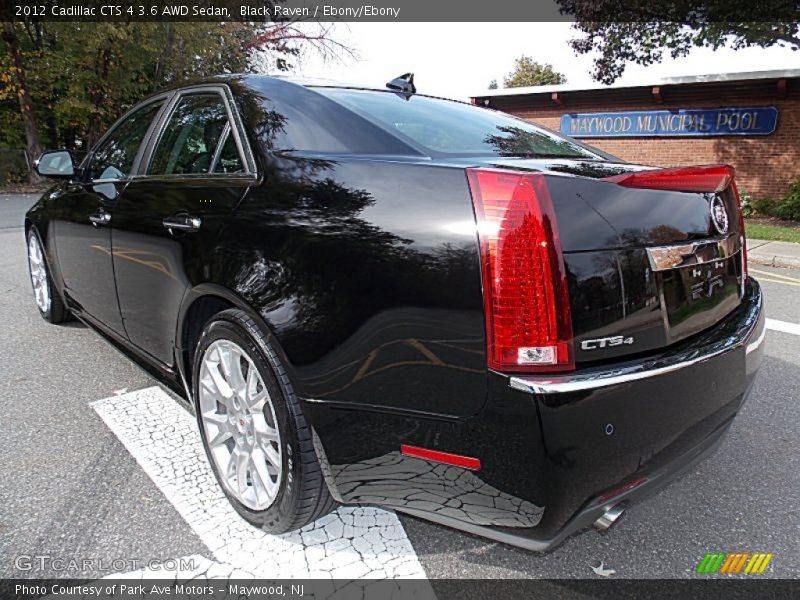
(528, 72)
(763, 207)
(13, 167)
(643, 31)
(773, 231)
(746, 202)
(81, 76)
(493, 84)
(789, 208)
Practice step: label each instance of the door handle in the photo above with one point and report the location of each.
(182, 222)
(101, 217)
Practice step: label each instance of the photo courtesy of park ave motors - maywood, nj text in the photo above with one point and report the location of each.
(399, 299)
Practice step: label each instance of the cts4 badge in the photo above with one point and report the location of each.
(606, 342)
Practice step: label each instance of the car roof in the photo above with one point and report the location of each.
(251, 81)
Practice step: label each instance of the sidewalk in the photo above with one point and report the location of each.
(773, 254)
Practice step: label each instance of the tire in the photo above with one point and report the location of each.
(244, 417)
(48, 300)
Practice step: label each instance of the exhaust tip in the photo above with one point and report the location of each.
(610, 517)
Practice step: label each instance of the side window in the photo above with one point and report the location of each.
(229, 160)
(114, 158)
(191, 136)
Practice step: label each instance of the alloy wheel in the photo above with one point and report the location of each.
(38, 272)
(239, 423)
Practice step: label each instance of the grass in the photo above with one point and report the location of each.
(781, 231)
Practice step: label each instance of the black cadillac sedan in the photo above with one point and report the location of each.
(374, 296)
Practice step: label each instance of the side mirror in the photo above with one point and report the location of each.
(55, 163)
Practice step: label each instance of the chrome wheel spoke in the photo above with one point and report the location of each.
(273, 457)
(222, 436)
(255, 392)
(231, 364)
(242, 459)
(222, 386)
(215, 418)
(262, 480)
(257, 401)
(264, 433)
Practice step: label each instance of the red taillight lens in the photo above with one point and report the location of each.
(711, 178)
(526, 302)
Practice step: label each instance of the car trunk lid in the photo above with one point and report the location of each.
(651, 256)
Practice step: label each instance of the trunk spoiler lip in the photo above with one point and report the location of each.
(713, 178)
(743, 330)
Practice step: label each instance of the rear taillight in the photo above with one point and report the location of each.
(526, 301)
(742, 236)
(711, 178)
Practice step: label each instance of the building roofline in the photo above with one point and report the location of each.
(685, 80)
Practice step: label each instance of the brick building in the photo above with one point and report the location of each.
(748, 120)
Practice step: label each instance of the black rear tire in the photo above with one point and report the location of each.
(302, 495)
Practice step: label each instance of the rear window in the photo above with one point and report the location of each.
(287, 117)
(446, 127)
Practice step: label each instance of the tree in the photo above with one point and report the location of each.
(72, 80)
(15, 79)
(529, 72)
(493, 84)
(642, 31)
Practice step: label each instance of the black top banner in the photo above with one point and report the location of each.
(679, 11)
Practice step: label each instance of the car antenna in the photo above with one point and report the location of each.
(403, 86)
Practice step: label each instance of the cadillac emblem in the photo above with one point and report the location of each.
(719, 216)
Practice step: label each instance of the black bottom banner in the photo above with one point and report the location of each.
(417, 589)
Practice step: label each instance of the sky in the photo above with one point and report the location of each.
(458, 60)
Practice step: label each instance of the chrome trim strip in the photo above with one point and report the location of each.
(606, 378)
(621, 375)
(223, 139)
(664, 258)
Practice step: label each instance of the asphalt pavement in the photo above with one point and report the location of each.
(75, 484)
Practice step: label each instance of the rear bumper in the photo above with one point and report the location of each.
(594, 509)
(555, 453)
(666, 414)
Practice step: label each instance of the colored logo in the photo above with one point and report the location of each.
(739, 563)
(719, 216)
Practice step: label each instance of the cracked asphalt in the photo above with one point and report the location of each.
(74, 485)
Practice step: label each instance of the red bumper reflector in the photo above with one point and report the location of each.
(465, 462)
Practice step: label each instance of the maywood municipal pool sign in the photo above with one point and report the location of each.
(690, 122)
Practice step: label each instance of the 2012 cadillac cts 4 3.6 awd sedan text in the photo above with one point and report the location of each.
(374, 296)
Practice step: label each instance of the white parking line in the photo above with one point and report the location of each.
(783, 326)
(351, 543)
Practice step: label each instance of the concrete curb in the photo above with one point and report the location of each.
(773, 254)
(774, 260)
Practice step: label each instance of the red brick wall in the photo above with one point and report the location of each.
(765, 165)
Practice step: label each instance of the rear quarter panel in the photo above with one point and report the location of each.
(367, 273)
